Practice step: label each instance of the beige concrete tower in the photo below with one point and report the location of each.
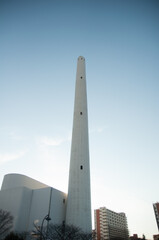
(78, 212)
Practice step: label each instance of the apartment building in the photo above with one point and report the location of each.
(110, 225)
(156, 210)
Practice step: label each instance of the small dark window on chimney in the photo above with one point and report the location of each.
(63, 200)
(81, 113)
(81, 77)
(81, 167)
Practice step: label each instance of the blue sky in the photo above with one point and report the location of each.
(39, 46)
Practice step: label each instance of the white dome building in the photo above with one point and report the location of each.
(29, 200)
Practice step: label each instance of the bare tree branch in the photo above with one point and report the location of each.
(6, 223)
(61, 232)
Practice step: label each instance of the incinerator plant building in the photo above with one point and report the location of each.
(30, 201)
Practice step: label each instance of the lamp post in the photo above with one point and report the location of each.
(63, 230)
(47, 218)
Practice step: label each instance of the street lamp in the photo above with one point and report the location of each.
(47, 218)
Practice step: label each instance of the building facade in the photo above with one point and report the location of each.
(156, 210)
(29, 201)
(156, 237)
(110, 225)
(135, 237)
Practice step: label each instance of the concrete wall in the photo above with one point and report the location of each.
(28, 204)
(17, 202)
(44, 201)
(79, 194)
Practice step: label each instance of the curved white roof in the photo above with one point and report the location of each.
(14, 180)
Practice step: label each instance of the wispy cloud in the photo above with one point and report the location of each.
(6, 157)
(14, 136)
(99, 129)
(48, 141)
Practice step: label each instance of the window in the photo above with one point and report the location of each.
(81, 113)
(81, 167)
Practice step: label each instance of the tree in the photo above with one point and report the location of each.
(18, 236)
(6, 223)
(60, 232)
(15, 236)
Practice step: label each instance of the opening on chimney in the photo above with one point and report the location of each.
(81, 167)
(81, 77)
(63, 200)
(81, 113)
